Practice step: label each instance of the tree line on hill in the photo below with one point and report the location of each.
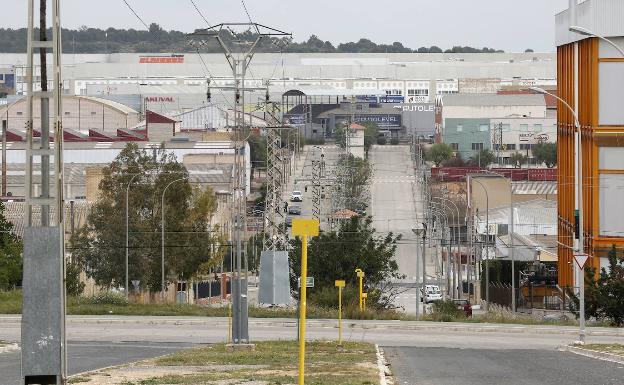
(156, 39)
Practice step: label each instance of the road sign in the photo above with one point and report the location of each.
(340, 283)
(309, 282)
(580, 260)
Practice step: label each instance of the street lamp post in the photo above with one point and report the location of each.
(457, 238)
(162, 239)
(450, 273)
(487, 242)
(580, 244)
(127, 231)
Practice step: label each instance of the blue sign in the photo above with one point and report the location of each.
(367, 98)
(294, 119)
(382, 120)
(391, 99)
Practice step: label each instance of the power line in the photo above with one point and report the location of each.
(136, 14)
(246, 11)
(200, 13)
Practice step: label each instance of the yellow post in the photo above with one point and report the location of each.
(360, 275)
(364, 296)
(304, 228)
(340, 284)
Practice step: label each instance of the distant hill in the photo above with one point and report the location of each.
(94, 40)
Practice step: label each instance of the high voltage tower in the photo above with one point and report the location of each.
(275, 238)
(239, 62)
(317, 170)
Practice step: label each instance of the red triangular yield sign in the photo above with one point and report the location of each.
(580, 260)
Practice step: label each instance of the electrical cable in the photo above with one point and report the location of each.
(136, 14)
(200, 13)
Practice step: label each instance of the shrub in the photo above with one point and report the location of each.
(106, 298)
(446, 311)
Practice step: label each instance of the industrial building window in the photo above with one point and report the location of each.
(524, 128)
(455, 146)
(460, 128)
(510, 146)
(484, 127)
(477, 146)
(611, 182)
(526, 146)
(417, 92)
(506, 127)
(537, 128)
(93, 113)
(20, 113)
(66, 112)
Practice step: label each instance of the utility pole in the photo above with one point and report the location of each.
(4, 158)
(239, 63)
(43, 311)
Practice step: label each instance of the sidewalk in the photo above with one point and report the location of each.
(332, 323)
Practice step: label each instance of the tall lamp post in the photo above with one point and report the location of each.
(487, 249)
(127, 225)
(457, 236)
(162, 239)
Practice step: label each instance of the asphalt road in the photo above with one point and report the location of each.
(450, 366)
(84, 356)
(392, 201)
(412, 347)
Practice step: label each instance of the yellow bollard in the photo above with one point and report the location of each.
(360, 275)
(364, 296)
(304, 228)
(340, 284)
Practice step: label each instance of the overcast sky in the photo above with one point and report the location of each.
(512, 25)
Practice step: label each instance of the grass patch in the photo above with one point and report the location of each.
(277, 363)
(78, 380)
(105, 304)
(605, 348)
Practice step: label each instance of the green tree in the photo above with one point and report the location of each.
(517, 159)
(545, 153)
(354, 188)
(10, 254)
(336, 254)
(604, 296)
(370, 135)
(438, 153)
(340, 135)
(99, 246)
(483, 158)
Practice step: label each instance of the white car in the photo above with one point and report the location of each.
(296, 196)
(431, 293)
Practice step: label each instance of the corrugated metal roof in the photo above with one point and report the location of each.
(492, 100)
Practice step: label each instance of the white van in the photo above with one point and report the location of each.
(431, 293)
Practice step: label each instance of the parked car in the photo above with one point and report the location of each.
(294, 210)
(464, 304)
(431, 294)
(296, 196)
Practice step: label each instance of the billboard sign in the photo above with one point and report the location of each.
(382, 120)
(295, 119)
(172, 59)
(367, 98)
(392, 99)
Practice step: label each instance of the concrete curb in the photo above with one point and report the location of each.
(385, 376)
(594, 354)
(332, 324)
